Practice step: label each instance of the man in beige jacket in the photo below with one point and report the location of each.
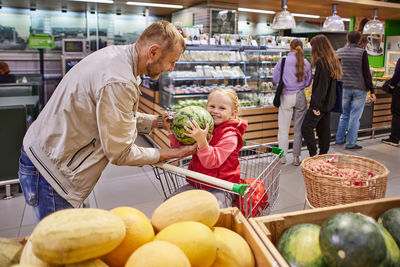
(92, 119)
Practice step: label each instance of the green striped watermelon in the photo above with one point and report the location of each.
(390, 219)
(351, 239)
(393, 252)
(299, 246)
(190, 113)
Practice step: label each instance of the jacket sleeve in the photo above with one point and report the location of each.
(367, 73)
(320, 86)
(396, 75)
(276, 75)
(116, 122)
(308, 73)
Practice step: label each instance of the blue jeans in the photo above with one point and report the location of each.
(353, 102)
(37, 191)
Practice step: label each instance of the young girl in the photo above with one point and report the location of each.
(296, 76)
(327, 70)
(218, 157)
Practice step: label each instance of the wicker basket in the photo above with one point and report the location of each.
(325, 190)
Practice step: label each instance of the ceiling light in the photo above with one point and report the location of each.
(284, 19)
(256, 10)
(95, 1)
(153, 5)
(374, 26)
(333, 23)
(305, 16)
(346, 19)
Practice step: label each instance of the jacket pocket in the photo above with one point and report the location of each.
(29, 180)
(81, 155)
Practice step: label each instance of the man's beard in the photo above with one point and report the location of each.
(152, 70)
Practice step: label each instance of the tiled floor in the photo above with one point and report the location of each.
(137, 187)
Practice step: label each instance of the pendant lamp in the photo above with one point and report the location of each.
(333, 23)
(374, 26)
(284, 19)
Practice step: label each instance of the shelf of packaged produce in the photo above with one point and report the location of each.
(210, 62)
(263, 61)
(200, 94)
(209, 78)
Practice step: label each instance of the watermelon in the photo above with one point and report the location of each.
(350, 239)
(393, 252)
(190, 113)
(299, 245)
(390, 219)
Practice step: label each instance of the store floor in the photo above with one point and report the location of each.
(137, 187)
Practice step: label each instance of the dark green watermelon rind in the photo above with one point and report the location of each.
(190, 113)
(293, 247)
(350, 239)
(391, 221)
(393, 252)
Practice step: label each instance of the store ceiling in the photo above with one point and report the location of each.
(346, 8)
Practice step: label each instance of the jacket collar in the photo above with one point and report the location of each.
(134, 56)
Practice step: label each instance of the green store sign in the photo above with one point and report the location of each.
(41, 41)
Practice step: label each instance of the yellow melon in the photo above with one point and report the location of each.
(88, 263)
(195, 239)
(139, 231)
(233, 250)
(193, 205)
(75, 235)
(158, 254)
(29, 258)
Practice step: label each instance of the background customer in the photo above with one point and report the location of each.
(394, 137)
(296, 76)
(5, 76)
(357, 81)
(323, 96)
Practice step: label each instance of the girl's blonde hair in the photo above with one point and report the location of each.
(232, 96)
(297, 45)
(322, 51)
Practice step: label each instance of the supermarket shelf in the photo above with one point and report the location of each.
(265, 76)
(210, 62)
(209, 78)
(263, 61)
(187, 95)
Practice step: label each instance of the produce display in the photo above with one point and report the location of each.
(344, 239)
(350, 176)
(391, 221)
(299, 245)
(182, 242)
(190, 113)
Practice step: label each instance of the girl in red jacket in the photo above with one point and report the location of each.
(218, 157)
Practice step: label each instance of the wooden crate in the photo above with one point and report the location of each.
(234, 220)
(270, 228)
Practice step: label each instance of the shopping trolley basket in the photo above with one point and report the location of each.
(260, 163)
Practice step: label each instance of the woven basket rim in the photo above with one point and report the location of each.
(379, 176)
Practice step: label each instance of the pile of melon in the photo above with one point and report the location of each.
(345, 239)
(181, 233)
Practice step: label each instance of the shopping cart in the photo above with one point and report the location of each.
(260, 162)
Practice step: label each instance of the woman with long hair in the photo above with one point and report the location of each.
(296, 76)
(327, 70)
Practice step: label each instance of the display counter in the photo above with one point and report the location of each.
(247, 70)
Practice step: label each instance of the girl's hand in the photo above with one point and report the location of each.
(198, 134)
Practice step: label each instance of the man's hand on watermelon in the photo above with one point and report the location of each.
(194, 131)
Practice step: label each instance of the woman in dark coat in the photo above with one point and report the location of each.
(327, 70)
(5, 76)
